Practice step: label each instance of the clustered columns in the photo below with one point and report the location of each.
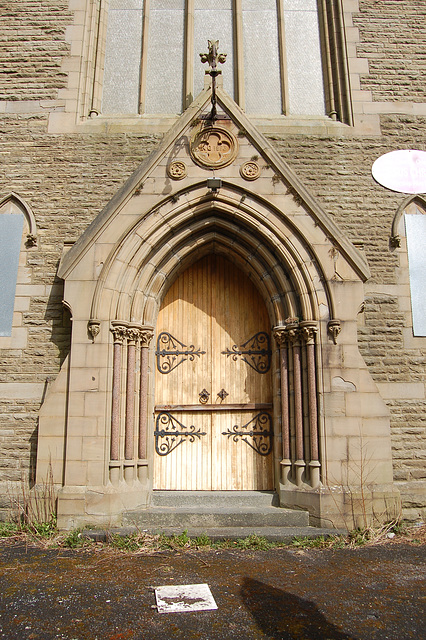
(300, 463)
(128, 449)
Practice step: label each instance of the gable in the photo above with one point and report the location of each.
(196, 151)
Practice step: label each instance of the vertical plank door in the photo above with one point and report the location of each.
(213, 414)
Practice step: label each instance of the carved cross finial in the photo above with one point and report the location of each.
(213, 57)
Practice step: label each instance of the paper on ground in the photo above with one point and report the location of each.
(186, 597)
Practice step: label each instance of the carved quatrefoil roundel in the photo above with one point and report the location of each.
(177, 170)
(214, 147)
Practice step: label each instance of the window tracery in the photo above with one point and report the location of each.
(285, 57)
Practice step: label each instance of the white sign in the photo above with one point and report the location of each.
(403, 171)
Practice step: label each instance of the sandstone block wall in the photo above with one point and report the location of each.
(68, 178)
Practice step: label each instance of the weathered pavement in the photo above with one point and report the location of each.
(368, 593)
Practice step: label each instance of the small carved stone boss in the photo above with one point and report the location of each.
(214, 147)
(177, 170)
(250, 170)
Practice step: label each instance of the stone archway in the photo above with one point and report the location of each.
(281, 267)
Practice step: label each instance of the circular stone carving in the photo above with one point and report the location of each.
(214, 147)
(250, 170)
(177, 170)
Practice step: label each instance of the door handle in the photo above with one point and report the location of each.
(204, 396)
(222, 394)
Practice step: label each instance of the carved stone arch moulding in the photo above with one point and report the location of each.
(157, 245)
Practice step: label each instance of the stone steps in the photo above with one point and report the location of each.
(176, 511)
(214, 498)
(272, 534)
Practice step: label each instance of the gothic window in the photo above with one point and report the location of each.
(284, 56)
(15, 218)
(415, 229)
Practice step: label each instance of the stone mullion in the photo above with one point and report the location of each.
(328, 68)
(144, 57)
(238, 54)
(146, 335)
(97, 31)
(309, 330)
(188, 72)
(283, 59)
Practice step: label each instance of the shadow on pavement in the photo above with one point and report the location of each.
(284, 616)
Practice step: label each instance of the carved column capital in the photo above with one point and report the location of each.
(119, 332)
(289, 333)
(293, 331)
(146, 334)
(280, 335)
(334, 328)
(308, 330)
(132, 334)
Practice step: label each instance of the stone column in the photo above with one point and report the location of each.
(293, 333)
(281, 338)
(118, 330)
(309, 331)
(129, 431)
(146, 335)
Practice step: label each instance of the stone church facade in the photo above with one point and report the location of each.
(212, 294)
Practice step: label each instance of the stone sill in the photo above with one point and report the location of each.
(151, 125)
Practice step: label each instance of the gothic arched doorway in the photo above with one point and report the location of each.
(213, 391)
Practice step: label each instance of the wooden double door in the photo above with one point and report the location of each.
(213, 392)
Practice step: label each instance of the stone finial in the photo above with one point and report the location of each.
(213, 57)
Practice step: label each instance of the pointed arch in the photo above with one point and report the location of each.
(18, 232)
(13, 203)
(264, 242)
(395, 239)
(413, 209)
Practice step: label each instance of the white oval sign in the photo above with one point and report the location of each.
(403, 171)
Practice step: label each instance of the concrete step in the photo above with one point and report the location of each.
(214, 499)
(158, 519)
(272, 534)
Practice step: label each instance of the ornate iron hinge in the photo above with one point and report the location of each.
(260, 432)
(171, 352)
(256, 352)
(170, 433)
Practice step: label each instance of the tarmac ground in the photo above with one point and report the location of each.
(367, 593)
